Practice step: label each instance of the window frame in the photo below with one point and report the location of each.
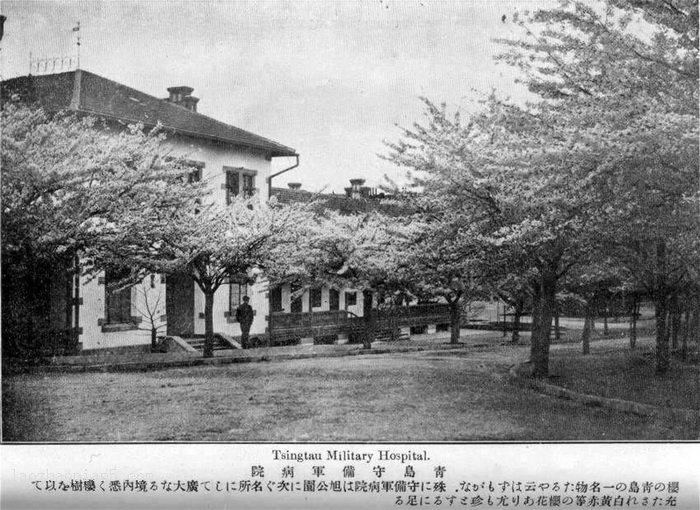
(124, 296)
(295, 305)
(276, 303)
(333, 299)
(350, 296)
(316, 297)
(242, 175)
(242, 290)
(197, 174)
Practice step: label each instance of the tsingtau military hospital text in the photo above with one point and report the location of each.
(350, 455)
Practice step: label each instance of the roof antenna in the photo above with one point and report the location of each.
(36, 64)
(76, 28)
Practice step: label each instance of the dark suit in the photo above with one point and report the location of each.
(244, 315)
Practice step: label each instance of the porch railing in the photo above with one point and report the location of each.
(284, 326)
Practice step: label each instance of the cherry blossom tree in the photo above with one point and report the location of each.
(364, 251)
(66, 179)
(210, 243)
(504, 179)
(628, 70)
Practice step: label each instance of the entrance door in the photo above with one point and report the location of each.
(179, 305)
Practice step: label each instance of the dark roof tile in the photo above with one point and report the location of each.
(87, 92)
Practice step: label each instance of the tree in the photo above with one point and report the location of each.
(210, 243)
(439, 261)
(515, 290)
(626, 72)
(591, 284)
(361, 251)
(151, 309)
(64, 179)
(517, 188)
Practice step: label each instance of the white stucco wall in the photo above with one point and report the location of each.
(215, 157)
(222, 324)
(325, 301)
(92, 314)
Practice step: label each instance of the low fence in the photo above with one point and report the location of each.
(284, 326)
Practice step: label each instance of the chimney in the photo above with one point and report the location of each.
(182, 95)
(294, 185)
(355, 190)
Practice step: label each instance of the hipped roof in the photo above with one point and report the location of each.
(86, 92)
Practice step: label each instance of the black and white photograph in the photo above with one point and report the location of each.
(341, 222)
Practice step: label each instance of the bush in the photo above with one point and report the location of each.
(325, 339)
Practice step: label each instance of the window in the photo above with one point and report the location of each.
(296, 306)
(239, 181)
(236, 293)
(350, 299)
(316, 298)
(333, 299)
(248, 185)
(196, 174)
(117, 302)
(276, 299)
(232, 185)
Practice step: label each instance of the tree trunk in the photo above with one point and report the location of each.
(368, 315)
(517, 312)
(606, 329)
(209, 324)
(661, 294)
(536, 314)
(540, 347)
(586, 334)
(662, 348)
(633, 322)
(686, 334)
(557, 330)
(675, 316)
(154, 339)
(694, 326)
(455, 316)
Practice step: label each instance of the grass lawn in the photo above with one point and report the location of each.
(628, 375)
(391, 397)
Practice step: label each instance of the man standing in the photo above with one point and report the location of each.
(244, 316)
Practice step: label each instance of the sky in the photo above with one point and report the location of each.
(332, 79)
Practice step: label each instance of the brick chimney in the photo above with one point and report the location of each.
(182, 95)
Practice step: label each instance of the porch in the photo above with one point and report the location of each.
(390, 323)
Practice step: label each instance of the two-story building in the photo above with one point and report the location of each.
(231, 160)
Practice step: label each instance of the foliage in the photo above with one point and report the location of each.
(66, 180)
(211, 243)
(64, 176)
(629, 72)
(605, 162)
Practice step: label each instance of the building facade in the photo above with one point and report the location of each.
(231, 160)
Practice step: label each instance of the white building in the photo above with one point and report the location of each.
(231, 160)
